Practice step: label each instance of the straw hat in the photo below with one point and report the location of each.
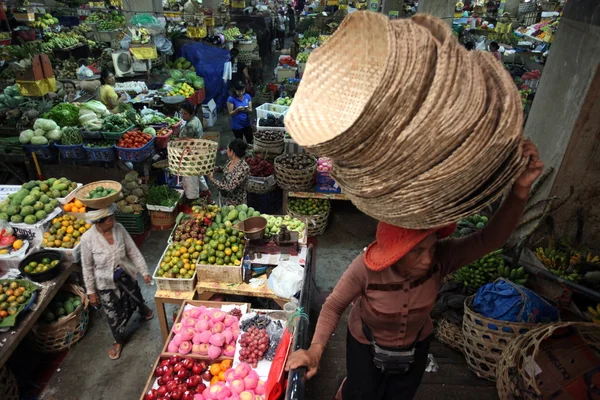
(421, 131)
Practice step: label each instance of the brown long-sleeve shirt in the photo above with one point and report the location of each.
(396, 305)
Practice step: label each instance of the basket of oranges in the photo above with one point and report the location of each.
(76, 208)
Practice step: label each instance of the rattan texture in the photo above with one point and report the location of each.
(514, 377)
(316, 224)
(192, 157)
(294, 179)
(267, 146)
(450, 334)
(103, 202)
(486, 338)
(433, 132)
(9, 388)
(64, 333)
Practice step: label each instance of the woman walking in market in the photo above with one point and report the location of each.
(232, 187)
(394, 285)
(239, 106)
(110, 263)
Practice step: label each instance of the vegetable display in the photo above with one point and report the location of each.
(309, 206)
(44, 265)
(63, 304)
(64, 114)
(100, 144)
(65, 232)
(100, 192)
(302, 57)
(70, 136)
(44, 131)
(115, 123)
(284, 101)
(107, 21)
(484, 270)
(259, 167)
(134, 140)
(162, 196)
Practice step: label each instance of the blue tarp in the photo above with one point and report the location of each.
(209, 62)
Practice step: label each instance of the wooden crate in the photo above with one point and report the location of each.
(197, 303)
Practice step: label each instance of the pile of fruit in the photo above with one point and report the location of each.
(107, 21)
(307, 42)
(180, 260)
(64, 40)
(44, 265)
(309, 206)
(75, 206)
(232, 34)
(260, 167)
(233, 215)
(274, 225)
(225, 246)
(134, 140)
(560, 263)
(254, 343)
(517, 275)
(287, 60)
(63, 304)
(35, 200)
(182, 89)
(188, 77)
(271, 122)
(296, 161)
(12, 296)
(180, 378)
(480, 272)
(134, 194)
(269, 136)
(180, 64)
(284, 101)
(302, 57)
(99, 192)
(470, 225)
(65, 232)
(13, 244)
(193, 227)
(44, 22)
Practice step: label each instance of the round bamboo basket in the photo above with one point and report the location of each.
(272, 147)
(450, 334)
(9, 388)
(316, 224)
(292, 179)
(261, 185)
(514, 372)
(486, 338)
(64, 333)
(102, 202)
(192, 157)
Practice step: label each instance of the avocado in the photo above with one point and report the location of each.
(28, 200)
(13, 210)
(30, 219)
(16, 219)
(38, 206)
(41, 215)
(51, 181)
(27, 210)
(44, 199)
(48, 208)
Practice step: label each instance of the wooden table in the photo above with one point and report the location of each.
(207, 289)
(11, 339)
(172, 297)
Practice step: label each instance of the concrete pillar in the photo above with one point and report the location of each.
(512, 7)
(565, 118)
(443, 9)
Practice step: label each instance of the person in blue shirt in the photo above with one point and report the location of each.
(239, 106)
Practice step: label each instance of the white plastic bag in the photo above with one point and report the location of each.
(286, 279)
(84, 72)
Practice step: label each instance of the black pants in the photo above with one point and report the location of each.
(244, 132)
(364, 381)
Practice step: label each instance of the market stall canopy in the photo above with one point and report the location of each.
(421, 131)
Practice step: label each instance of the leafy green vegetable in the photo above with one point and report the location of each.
(45, 124)
(64, 114)
(115, 123)
(162, 196)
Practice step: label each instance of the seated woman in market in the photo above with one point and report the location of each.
(232, 187)
(393, 286)
(108, 96)
(70, 91)
(110, 263)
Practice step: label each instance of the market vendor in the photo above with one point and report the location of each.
(110, 263)
(239, 70)
(232, 188)
(108, 96)
(70, 91)
(393, 286)
(193, 186)
(239, 106)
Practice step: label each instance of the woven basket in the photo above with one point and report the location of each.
(263, 97)
(272, 147)
(261, 185)
(103, 202)
(62, 334)
(317, 224)
(290, 179)
(9, 388)
(192, 157)
(486, 338)
(450, 334)
(514, 377)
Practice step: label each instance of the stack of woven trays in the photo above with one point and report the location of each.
(424, 133)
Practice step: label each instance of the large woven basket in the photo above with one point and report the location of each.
(192, 157)
(316, 224)
(261, 185)
(514, 377)
(263, 97)
(291, 179)
(103, 202)
(271, 147)
(62, 334)
(450, 334)
(9, 388)
(486, 338)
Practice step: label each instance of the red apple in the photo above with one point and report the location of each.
(162, 390)
(206, 375)
(176, 394)
(188, 395)
(167, 370)
(151, 395)
(197, 369)
(159, 371)
(174, 360)
(182, 374)
(200, 388)
(204, 365)
(172, 385)
(193, 381)
(164, 362)
(188, 363)
(179, 367)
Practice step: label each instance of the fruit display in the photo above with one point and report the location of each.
(43, 265)
(65, 232)
(302, 57)
(241, 382)
(284, 101)
(63, 40)
(134, 194)
(99, 192)
(182, 89)
(44, 131)
(271, 122)
(269, 136)
(307, 42)
(13, 244)
(35, 200)
(63, 304)
(7, 237)
(107, 21)
(14, 295)
(309, 206)
(516, 275)
(115, 123)
(66, 69)
(235, 214)
(559, 263)
(274, 225)
(134, 140)
(254, 344)
(44, 22)
(470, 225)
(232, 34)
(205, 331)
(181, 378)
(260, 167)
(195, 226)
(75, 206)
(223, 246)
(287, 60)
(296, 161)
(179, 260)
(480, 272)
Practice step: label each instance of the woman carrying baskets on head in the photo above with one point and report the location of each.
(394, 285)
(110, 263)
(232, 188)
(193, 186)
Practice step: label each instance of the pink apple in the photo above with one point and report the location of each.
(196, 311)
(227, 335)
(172, 347)
(251, 380)
(177, 339)
(218, 316)
(238, 386)
(260, 388)
(241, 371)
(187, 334)
(201, 326)
(229, 350)
(177, 327)
(247, 395)
(229, 320)
(205, 336)
(218, 327)
(203, 348)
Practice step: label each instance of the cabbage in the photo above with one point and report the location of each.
(25, 136)
(39, 140)
(150, 131)
(53, 134)
(39, 132)
(84, 111)
(45, 124)
(96, 107)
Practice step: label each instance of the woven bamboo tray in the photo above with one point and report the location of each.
(450, 334)
(316, 224)
(514, 377)
(62, 334)
(192, 157)
(486, 338)
(9, 388)
(290, 179)
(102, 202)
(272, 147)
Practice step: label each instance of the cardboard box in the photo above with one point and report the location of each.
(327, 188)
(285, 73)
(209, 111)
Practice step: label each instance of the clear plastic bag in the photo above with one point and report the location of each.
(163, 45)
(275, 332)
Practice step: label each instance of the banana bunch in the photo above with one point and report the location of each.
(517, 275)
(578, 257)
(551, 258)
(570, 275)
(480, 272)
(63, 41)
(595, 313)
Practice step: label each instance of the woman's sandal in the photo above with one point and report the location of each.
(149, 316)
(115, 352)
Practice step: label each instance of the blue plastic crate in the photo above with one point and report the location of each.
(74, 152)
(136, 155)
(43, 151)
(102, 154)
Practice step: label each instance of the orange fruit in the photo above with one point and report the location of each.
(215, 369)
(82, 209)
(222, 375)
(74, 209)
(78, 203)
(214, 380)
(225, 365)
(68, 207)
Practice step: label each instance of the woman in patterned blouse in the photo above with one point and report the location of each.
(235, 175)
